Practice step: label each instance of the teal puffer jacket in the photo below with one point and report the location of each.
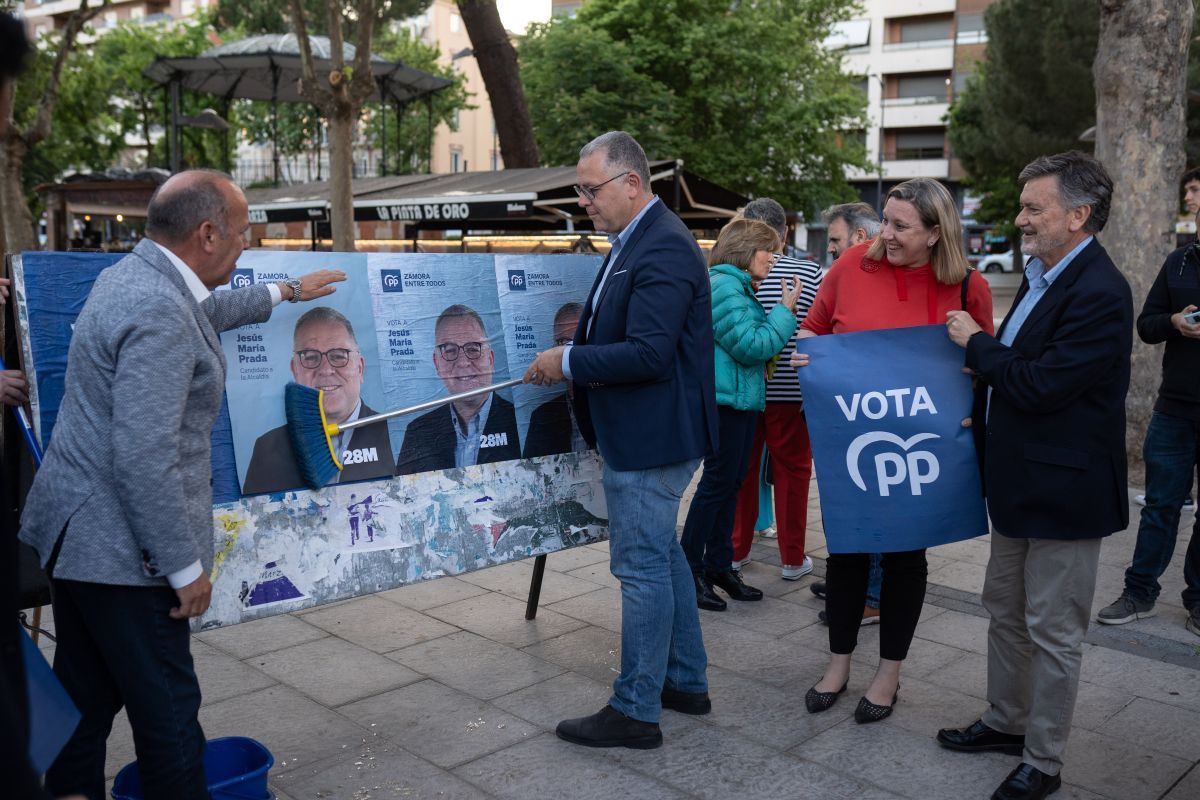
(747, 337)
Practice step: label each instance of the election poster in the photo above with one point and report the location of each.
(439, 332)
(896, 469)
(328, 344)
(284, 546)
(541, 300)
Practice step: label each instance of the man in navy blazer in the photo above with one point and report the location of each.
(642, 366)
(1051, 404)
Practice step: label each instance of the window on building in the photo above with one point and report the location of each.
(863, 84)
(930, 85)
(110, 19)
(455, 22)
(924, 29)
(919, 144)
(970, 29)
(456, 159)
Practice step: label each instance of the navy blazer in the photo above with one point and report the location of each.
(644, 389)
(1054, 437)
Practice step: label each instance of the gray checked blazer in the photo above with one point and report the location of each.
(127, 474)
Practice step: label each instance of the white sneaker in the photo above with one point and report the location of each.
(1188, 505)
(795, 573)
(736, 566)
(768, 532)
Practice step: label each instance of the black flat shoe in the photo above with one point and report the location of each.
(1027, 782)
(610, 728)
(816, 702)
(694, 703)
(979, 738)
(706, 598)
(866, 711)
(731, 582)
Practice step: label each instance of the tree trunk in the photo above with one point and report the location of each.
(16, 221)
(497, 60)
(1140, 74)
(341, 195)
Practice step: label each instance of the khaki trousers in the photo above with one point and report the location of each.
(1039, 595)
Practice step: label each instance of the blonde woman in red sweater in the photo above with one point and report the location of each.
(912, 274)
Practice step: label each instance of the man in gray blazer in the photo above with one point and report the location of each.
(121, 510)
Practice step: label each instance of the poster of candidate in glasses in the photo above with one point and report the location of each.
(541, 301)
(328, 345)
(439, 334)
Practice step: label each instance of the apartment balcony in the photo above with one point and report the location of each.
(915, 112)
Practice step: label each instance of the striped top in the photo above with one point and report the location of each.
(784, 387)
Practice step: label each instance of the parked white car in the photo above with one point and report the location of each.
(996, 262)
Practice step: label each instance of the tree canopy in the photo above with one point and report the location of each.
(1034, 95)
(745, 93)
(271, 16)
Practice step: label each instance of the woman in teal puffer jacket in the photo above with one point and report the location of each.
(747, 339)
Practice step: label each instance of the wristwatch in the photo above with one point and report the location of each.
(294, 285)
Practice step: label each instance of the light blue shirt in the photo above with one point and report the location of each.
(1039, 282)
(617, 240)
(466, 446)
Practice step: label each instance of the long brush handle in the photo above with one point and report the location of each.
(430, 404)
(26, 430)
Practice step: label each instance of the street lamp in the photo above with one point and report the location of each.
(879, 171)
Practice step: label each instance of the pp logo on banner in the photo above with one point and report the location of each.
(391, 280)
(241, 279)
(892, 469)
(516, 280)
(897, 469)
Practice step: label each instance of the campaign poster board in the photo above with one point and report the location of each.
(285, 550)
(541, 300)
(896, 468)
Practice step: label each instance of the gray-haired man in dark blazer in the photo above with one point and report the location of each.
(121, 510)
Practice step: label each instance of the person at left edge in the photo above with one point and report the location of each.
(120, 512)
(325, 356)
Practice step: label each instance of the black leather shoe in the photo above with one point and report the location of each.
(731, 582)
(816, 702)
(706, 598)
(1027, 782)
(610, 728)
(817, 588)
(978, 738)
(866, 711)
(694, 703)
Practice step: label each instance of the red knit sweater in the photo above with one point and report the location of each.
(860, 294)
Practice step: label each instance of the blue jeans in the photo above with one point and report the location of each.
(1171, 452)
(661, 641)
(875, 580)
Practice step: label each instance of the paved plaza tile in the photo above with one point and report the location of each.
(443, 690)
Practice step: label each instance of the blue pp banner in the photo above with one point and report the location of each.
(52, 715)
(896, 469)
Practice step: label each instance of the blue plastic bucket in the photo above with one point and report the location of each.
(236, 768)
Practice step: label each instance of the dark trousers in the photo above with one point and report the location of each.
(117, 647)
(901, 598)
(1171, 452)
(708, 531)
